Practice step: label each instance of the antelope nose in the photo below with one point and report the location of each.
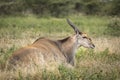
(92, 46)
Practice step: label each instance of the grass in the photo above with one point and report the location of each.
(90, 24)
(102, 63)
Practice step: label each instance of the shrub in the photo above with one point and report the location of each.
(113, 27)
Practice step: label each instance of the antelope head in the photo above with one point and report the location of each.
(81, 38)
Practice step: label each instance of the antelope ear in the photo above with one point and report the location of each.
(77, 31)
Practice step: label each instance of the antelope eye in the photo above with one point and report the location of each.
(84, 37)
(90, 39)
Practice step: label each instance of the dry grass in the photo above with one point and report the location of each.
(112, 43)
(88, 65)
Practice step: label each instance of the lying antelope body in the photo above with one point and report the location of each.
(44, 49)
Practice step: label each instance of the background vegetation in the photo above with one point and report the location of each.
(23, 21)
(59, 8)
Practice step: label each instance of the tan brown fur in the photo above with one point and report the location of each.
(44, 48)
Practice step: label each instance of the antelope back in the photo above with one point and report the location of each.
(42, 51)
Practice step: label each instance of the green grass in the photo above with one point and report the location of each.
(103, 63)
(14, 26)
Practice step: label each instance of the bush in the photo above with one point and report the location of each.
(59, 8)
(113, 27)
(91, 7)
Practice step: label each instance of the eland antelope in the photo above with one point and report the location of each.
(44, 49)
